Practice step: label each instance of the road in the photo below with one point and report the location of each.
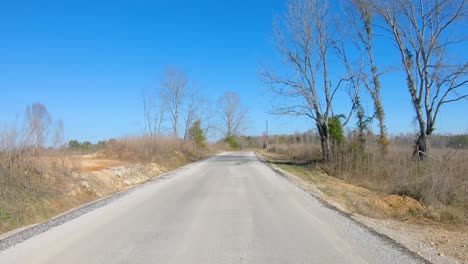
(230, 208)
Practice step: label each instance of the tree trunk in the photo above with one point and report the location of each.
(383, 140)
(421, 149)
(324, 141)
(325, 149)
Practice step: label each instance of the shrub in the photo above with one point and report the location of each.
(232, 142)
(197, 134)
(336, 130)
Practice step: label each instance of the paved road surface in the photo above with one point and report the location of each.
(230, 208)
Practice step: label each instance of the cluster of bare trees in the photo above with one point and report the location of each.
(176, 106)
(313, 33)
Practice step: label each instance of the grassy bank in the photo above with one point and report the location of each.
(34, 188)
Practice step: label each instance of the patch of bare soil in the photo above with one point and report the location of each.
(92, 162)
(401, 218)
(112, 177)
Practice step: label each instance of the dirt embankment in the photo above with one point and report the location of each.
(102, 176)
(62, 183)
(432, 232)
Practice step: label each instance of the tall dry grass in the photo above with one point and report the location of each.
(28, 185)
(442, 179)
(301, 152)
(36, 186)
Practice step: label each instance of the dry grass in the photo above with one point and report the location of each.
(171, 152)
(352, 198)
(297, 152)
(440, 183)
(34, 188)
(31, 191)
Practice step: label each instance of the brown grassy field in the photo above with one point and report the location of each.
(440, 183)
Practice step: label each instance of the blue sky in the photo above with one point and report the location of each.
(88, 62)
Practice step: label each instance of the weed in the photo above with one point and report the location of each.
(4, 214)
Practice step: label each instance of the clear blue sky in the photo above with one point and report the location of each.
(88, 62)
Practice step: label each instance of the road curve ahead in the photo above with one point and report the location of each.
(230, 208)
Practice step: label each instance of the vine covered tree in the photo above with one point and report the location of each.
(422, 32)
(362, 15)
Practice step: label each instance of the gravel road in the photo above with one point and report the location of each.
(230, 208)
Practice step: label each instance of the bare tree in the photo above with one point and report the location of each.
(421, 31)
(154, 110)
(174, 90)
(207, 115)
(233, 116)
(38, 121)
(59, 134)
(194, 108)
(305, 41)
(362, 17)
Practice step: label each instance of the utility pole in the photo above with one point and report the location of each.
(265, 144)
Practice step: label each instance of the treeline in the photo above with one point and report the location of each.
(85, 145)
(439, 141)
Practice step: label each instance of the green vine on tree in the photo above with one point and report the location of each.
(336, 129)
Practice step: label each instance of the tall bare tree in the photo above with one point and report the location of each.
(422, 33)
(305, 41)
(154, 110)
(195, 107)
(38, 121)
(233, 116)
(59, 134)
(174, 90)
(362, 14)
